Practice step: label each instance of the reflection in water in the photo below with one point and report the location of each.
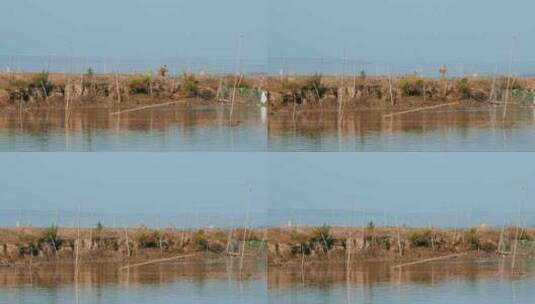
(447, 129)
(461, 281)
(175, 128)
(214, 282)
(444, 282)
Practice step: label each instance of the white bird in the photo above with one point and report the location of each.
(263, 97)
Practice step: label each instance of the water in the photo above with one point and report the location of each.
(214, 282)
(206, 127)
(174, 128)
(440, 282)
(448, 129)
(455, 281)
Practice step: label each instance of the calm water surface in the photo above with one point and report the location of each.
(441, 282)
(456, 281)
(206, 128)
(218, 282)
(174, 128)
(451, 129)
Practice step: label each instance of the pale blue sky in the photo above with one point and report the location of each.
(385, 183)
(412, 32)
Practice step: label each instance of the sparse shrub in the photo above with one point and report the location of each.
(90, 72)
(362, 75)
(313, 86)
(50, 236)
(421, 238)
(139, 84)
(370, 225)
(463, 88)
(148, 238)
(189, 84)
(322, 236)
(472, 239)
(99, 227)
(102, 89)
(411, 85)
(200, 240)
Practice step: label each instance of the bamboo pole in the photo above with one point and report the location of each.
(399, 240)
(420, 109)
(157, 261)
(147, 107)
(513, 262)
(390, 87)
(127, 241)
(509, 76)
(430, 260)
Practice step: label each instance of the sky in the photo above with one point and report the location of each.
(227, 186)
(418, 33)
(500, 184)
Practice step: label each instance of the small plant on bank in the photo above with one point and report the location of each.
(148, 238)
(411, 85)
(472, 239)
(50, 236)
(189, 84)
(322, 236)
(90, 72)
(463, 88)
(139, 84)
(200, 240)
(314, 86)
(421, 238)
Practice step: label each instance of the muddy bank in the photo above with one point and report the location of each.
(282, 93)
(310, 245)
(105, 90)
(21, 246)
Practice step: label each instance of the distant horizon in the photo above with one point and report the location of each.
(412, 34)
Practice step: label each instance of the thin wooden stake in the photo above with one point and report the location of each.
(430, 260)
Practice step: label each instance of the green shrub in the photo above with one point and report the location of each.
(50, 236)
(200, 240)
(139, 84)
(189, 84)
(147, 238)
(411, 86)
(421, 238)
(463, 88)
(472, 239)
(322, 236)
(313, 85)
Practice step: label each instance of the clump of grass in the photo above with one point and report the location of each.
(411, 85)
(139, 84)
(148, 238)
(421, 238)
(471, 238)
(322, 237)
(313, 86)
(463, 88)
(200, 240)
(89, 72)
(189, 84)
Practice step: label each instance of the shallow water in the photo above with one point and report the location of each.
(173, 128)
(206, 128)
(455, 281)
(451, 129)
(439, 282)
(218, 282)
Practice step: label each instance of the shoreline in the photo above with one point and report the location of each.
(280, 246)
(281, 93)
